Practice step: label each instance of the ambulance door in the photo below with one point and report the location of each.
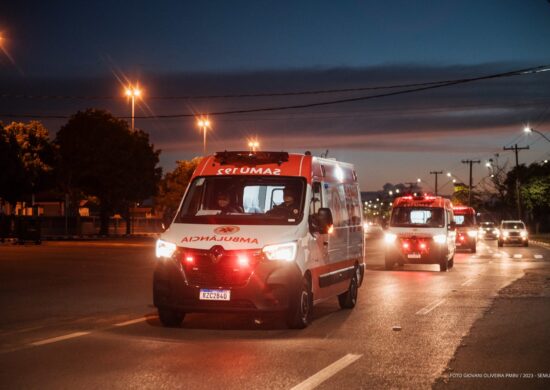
(338, 239)
(317, 258)
(355, 233)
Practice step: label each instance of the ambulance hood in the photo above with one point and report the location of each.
(230, 237)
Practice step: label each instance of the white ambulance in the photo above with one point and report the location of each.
(262, 232)
(422, 230)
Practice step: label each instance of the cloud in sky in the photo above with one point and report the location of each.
(469, 118)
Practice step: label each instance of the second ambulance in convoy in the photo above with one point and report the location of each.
(466, 228)
(421, 231)
(262, 232)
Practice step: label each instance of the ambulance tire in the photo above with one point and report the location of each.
(348, 300)
(443, 265)
(473, 248)
(452, 262)
(170, 318)
(500, 244)
(389, 262)
(299, 312)
(526, 243)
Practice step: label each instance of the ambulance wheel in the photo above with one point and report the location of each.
(526, 243)
(473, 248)
(452, 262)
(443, 265)
(299, 313)
(170, 318)
(500, 244)
(389, 262)
(348, 299)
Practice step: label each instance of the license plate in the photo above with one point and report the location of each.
(214, 295)
(414, 256)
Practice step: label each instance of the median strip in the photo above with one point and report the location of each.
(327, 372)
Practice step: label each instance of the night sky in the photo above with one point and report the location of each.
(180, 49)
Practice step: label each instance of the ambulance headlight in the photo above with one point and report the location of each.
(440, 238)
(285, 252)
(472, 233)
(389, 238)
(523, 233)
(165, 249)
(505, 234)
(496, 232)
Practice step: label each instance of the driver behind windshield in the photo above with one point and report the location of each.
(224, 204)
(289, 208)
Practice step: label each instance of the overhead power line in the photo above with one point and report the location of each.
(426, 86)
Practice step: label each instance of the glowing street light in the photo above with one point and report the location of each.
(397, 190)
(418, 180)
(204, 124)
(253, 145)
(133, 92)
(449, 174)
(529, 130)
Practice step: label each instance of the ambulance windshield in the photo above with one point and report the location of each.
(246, 200)
(417, 217)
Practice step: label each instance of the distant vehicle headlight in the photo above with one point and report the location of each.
(389, 238)
(472, 233)
(523, 233)
(365, 225)
(165, 249)
(440, 238)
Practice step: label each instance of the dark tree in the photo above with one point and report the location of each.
(99, 155)
(29, 144)
(172, 187)
(12, 173)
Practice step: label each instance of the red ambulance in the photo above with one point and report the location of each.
(466, 228)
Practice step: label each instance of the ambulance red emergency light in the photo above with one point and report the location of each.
(466, 228)
(262, 232)
(421, 231)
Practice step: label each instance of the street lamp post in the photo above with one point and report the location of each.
(528, 130)
(204, 124)
(133, 92)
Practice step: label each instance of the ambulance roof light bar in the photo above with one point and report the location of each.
(250, 158)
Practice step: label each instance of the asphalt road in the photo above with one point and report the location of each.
(80, 315)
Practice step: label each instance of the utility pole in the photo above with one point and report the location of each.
(471, 163)
(436, 173)
(518, 194)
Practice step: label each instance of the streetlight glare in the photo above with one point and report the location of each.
(449, 174)
(527, 129)
(418, 180)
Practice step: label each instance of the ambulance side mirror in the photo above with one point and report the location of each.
(452, 226)
(324, 220)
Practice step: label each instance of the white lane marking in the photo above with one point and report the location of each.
(429, 308)
(497, 255)
(518, 256)
(130, 322)
(59, 338)
(539, 256)
(468, 282)
(316, 379)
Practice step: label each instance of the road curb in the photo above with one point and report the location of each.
(541, 243)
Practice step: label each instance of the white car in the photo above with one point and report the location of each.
(513, 232)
